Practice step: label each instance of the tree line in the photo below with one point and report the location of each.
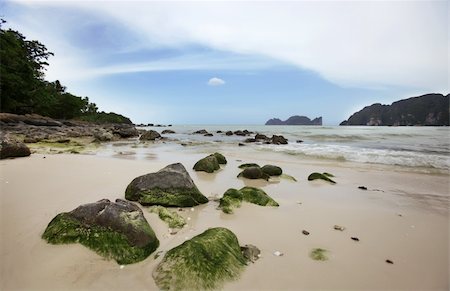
(23, 88)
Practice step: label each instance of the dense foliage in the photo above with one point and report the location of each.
(24, 89)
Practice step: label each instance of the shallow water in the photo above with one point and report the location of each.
(424, 147)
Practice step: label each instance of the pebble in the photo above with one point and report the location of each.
(298, 202)
(355, 238)
(305, 232)
(389, 262)
(338, 227)
(362, 187)
(278, 254)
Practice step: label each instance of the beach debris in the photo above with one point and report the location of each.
(251, 252)
(355, 238)
(324, 176)
(305, 232)
(173, 219)
(389, 262)
(207, 261)
(233, 198)
(338, 227)
(114, 230)
(288, 177)
(318, 254)
(170, 186)
(158, 254)
(299, 141)
(241, 144)
(362, 187)
(278, 254)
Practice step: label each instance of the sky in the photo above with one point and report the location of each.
(240, 62)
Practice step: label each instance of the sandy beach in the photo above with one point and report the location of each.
(403, 217)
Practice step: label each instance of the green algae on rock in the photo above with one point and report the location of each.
(116, 231)
(233, 198)
(324, 176)
(173, 219)
(220, 158)
(204, 262)
(171, 186)
(257, 196)
(208, 164)
(272, 170)
(318, 254)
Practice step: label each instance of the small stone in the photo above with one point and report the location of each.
(389, 262)
(362, 187)
(305, 232)
(338, 227)
(278, 254)
(298, 202)
(188, 218)
(355, 238)
(399, 214)
(122, 266)
(192, 209)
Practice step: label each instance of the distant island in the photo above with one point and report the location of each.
(425, 110)
(295, 120)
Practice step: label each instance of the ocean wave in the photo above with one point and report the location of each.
(364, 155)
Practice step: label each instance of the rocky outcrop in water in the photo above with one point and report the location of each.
(295, 120)
(429, 109)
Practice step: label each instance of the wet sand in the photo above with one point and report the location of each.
(406, 222)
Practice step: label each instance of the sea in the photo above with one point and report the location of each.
(416, 147)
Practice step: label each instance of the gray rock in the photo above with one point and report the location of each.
(10, 148)
(170, 186)
(150, 135)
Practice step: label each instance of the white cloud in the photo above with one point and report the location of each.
(367, 43)
(216, 82)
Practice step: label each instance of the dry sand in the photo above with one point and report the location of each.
(407, 222)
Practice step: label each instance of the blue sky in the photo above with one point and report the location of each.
(238, 62)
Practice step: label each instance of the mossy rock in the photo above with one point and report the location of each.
(220, 158)
(116, 231)
(248, 165)
(171, 186)
(204, 262)
(233, 198)
(173, 219)
(272, 170)
(324, 176)
(208, 164)
(257, 196)
(253, 173)
(318, 254)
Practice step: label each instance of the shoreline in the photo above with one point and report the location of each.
(417, 241)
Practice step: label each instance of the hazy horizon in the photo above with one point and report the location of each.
(237, 62)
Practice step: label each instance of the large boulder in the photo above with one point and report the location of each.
(170, 186)
(10, 148)
(150, 135)
(321, 176)
(102, 135)
(204, 262)
(220, 158)
(116, 231)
